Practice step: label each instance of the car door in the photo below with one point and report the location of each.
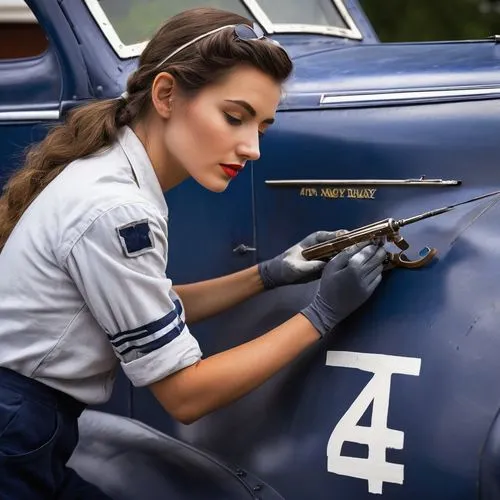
(399, 368)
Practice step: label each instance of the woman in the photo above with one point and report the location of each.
(83, 239)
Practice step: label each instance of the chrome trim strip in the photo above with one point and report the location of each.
(410, 95)
(123, 51)
(315, 29)
(14, 116)
(363, 182)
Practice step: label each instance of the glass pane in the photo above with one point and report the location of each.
(135, 21)
(319, 12)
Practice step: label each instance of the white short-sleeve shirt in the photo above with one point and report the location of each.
(83, 280)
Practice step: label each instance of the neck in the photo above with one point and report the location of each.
(168, 171)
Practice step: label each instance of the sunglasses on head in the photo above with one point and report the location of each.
(255, 32)
(241, 32)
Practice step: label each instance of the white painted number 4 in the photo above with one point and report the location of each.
(375, 469)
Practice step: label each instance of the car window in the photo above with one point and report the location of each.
(431, 20)
(135, 21)
(20, 34)
(315, 12)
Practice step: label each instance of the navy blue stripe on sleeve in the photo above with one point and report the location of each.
(149, 329)
(157, 343)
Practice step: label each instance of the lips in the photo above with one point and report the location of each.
(231, 170)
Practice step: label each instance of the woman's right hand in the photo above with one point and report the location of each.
(346, 283)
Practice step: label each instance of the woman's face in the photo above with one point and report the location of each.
(211, 136)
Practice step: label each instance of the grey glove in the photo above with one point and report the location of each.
(290, 267)
(347, 281)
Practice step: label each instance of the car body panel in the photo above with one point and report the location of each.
(429, 315)
(396, 67)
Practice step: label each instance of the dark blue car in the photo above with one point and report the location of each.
(402, 401)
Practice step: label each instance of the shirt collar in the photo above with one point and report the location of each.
(142, 168)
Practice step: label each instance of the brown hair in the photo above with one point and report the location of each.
(92, 127)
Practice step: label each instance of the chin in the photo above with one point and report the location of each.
(217, 185)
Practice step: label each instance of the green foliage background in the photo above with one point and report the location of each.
(427, 20)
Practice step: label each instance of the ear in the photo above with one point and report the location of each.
(162, 92)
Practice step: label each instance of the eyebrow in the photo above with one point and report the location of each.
(250, 110)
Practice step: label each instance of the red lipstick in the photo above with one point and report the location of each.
(231, 170)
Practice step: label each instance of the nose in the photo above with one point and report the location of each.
(249, 147)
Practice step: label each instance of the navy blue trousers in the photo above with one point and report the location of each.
(38, 434)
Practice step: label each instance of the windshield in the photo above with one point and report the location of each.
(314, 12)
(135, 21)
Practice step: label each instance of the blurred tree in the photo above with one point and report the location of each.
(428, 20)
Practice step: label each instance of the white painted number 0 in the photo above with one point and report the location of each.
(375, 469)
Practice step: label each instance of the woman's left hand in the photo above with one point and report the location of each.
(290, 267)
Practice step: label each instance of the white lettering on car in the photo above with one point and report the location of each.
(378, 437)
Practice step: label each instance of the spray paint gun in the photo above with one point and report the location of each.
(386, 230)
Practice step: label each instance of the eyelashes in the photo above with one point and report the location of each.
(235, 122)
(232, 120)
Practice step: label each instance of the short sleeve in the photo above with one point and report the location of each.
(119, 266)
